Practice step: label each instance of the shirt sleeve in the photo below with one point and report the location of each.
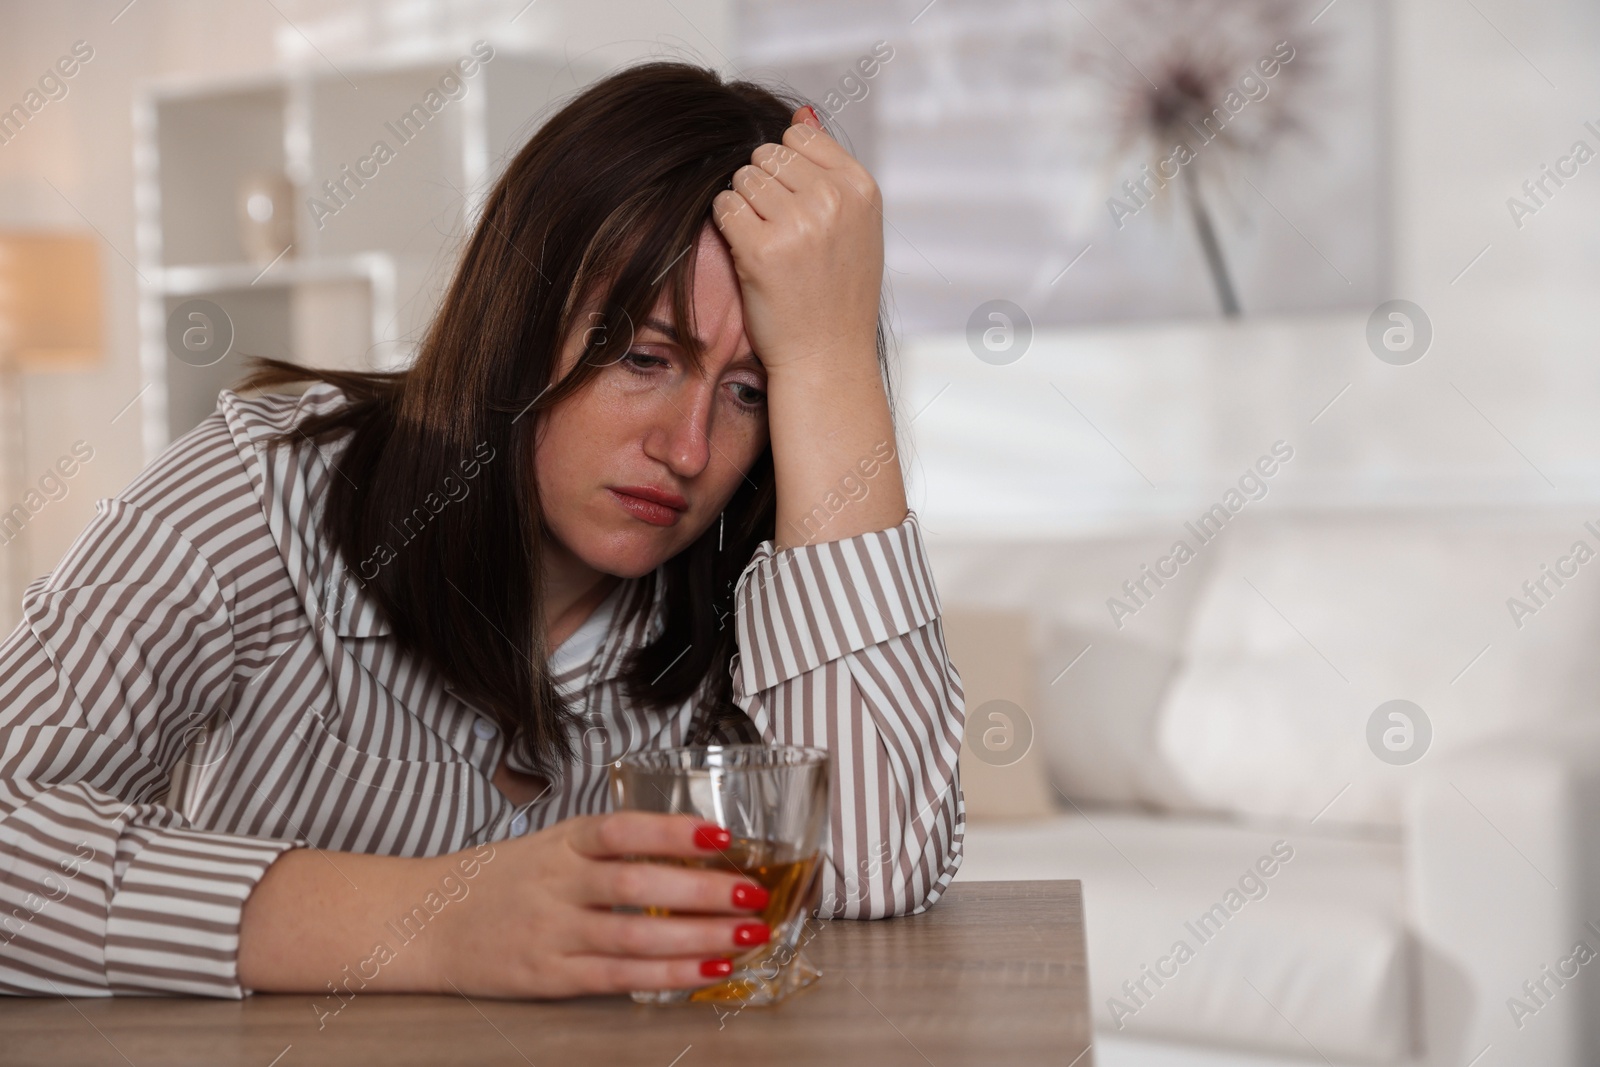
(841, 647)
(123, 654)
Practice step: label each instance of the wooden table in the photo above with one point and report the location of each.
(993, 974)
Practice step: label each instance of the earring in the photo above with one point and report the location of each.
(721, 519)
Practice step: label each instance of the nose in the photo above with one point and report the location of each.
(679, 433)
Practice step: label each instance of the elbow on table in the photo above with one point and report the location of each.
(900, 892)
(891, 902)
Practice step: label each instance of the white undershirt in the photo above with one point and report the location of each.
(584, 642)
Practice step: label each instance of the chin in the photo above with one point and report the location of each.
(632, 554)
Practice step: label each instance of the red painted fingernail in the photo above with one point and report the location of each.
(716, 968)
(750, 895)
(814, 114)
(711, 836)
(751, 934)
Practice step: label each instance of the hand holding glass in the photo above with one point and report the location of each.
(773, 801)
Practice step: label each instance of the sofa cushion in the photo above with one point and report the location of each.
(1321, 939)
(1003, 774)
(1095, 723)
(1099, 698)
(1308, 624)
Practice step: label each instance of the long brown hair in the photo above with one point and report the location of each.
(605, 197)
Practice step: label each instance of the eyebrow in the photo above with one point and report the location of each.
(672, 335)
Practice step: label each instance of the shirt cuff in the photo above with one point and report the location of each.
(808, 605)
(173, 925)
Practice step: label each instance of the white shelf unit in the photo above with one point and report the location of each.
(358, 290)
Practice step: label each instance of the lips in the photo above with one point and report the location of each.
(655, 506)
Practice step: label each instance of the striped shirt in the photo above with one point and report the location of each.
(201, 685)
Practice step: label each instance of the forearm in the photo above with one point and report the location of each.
(895, 826)
(833, 450)
(863, 673)
(314, 914)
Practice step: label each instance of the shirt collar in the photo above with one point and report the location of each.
(635, 621)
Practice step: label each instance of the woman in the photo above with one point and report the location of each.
(334, 683)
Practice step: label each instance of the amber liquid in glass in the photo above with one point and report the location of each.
(787, 883)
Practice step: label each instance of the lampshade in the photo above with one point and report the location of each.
(50, 317)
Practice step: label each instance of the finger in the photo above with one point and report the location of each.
(735, 218)
(826, 153)
(661, 885)
(644, 833)
(788, 166)
(816, 145)
(611, 974)
(807, 116)
(764, 192)
(668, 937)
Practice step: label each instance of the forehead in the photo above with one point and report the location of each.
(716, 304)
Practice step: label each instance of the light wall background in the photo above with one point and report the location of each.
(1502, 409)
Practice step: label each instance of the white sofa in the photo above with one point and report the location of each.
(1405, 905)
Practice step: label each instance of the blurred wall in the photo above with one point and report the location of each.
(72, 167)
(1484, 95)
(1500, 412)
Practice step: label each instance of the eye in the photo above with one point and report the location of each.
(748, 396)
(640, 363)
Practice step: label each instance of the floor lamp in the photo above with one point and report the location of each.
(50, 320)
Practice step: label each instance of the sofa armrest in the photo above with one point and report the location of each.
(1503, 853)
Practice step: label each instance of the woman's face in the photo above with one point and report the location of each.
(650, 421)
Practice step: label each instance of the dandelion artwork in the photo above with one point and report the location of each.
(1209, 90)
(1109, 160)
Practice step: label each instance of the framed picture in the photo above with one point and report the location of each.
(1105, 160)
